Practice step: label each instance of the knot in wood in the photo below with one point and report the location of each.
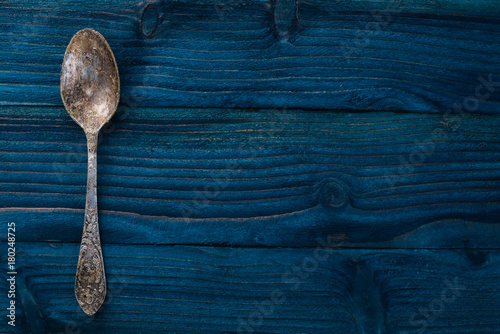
(333, 194)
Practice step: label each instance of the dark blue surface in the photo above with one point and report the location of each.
(413, 56)
(273, 167)
(255, 177)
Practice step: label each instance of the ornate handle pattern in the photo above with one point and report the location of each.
(90, 283)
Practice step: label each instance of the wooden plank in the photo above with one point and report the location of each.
(420, 55)
(181, 289)
(437, 291)
(187, 290)
(257, 177)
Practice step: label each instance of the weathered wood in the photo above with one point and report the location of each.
(419, 55)
(406, 203)
(250, 177)
(180, 289)
(437, 291)
(189, 289)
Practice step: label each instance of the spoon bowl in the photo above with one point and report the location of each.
(90, 90)
(90, 85)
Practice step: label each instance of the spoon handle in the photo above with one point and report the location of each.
(90, 283)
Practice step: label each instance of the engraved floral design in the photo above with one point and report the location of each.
(90, 284)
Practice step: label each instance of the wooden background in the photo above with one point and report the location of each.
(274, 166)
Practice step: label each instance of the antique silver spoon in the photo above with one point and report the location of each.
(90, 90)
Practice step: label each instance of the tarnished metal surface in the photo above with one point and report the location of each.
(90, 282)
(90, 90)
(90, 86)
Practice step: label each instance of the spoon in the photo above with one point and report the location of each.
(90, 90)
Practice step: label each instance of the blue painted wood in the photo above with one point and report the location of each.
(188, 289)
(256, 177)
(406, 204)
(420, 55)
(181, 289)
(436, 291)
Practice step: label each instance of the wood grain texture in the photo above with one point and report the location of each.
(180, 289)
(436, 291)
(187, 290)
(257, 177)
(208, 209)
(419, 55)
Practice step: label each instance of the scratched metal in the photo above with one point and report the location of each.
(90, 90)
